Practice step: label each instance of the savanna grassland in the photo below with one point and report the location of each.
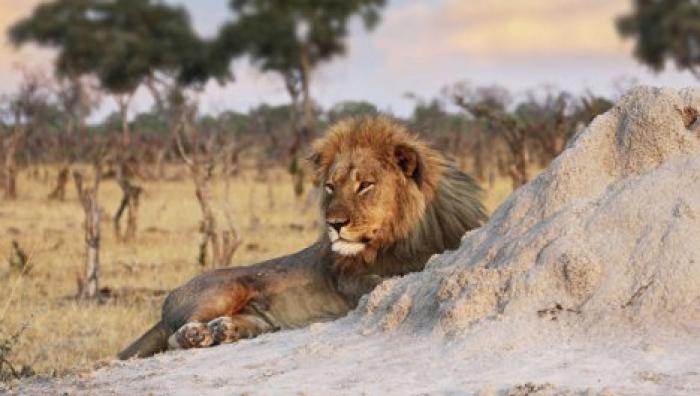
(65, 335)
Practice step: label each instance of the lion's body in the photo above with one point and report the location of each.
(289, 291)
(391, 203)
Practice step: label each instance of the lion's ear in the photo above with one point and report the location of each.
(408, 160)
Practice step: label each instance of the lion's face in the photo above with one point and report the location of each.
(360, 202)
(371, 194)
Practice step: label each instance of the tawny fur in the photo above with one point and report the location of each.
(390, 202)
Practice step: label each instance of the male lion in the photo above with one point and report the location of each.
(389, 203)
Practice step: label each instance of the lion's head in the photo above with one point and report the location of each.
(380, 184)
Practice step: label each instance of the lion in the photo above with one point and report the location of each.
(389, 202)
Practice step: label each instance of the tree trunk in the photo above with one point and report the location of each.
(89, 280)
(129, 203)
(207, 228)
(308, 121)
(160, 164)
(518, 169)
(479, 155)
(126, 133)
(10, 180)
(300, 131)
(298, 181)
(59, 192)
(132, 217)
(123, 103)
(223, 244)
(83, 109)
(10, 173)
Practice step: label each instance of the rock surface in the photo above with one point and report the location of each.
(586, 280)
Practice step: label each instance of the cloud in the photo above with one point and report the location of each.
(533, 27)
(501, 29)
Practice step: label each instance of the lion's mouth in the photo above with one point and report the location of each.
(345, 246)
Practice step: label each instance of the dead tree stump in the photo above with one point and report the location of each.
(88, 281)
(129, 203)
(59, 192)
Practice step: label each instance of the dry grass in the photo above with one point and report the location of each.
(65, 335)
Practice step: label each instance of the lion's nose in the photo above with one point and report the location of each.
(337, 224)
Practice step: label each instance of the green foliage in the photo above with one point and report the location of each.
(291, 38)
(668, 29)
(431, 118)
(274, 32)
(234, 121)
(271, 118)
(148, 124)
(65, 25)
(351, 109)
(121, 42)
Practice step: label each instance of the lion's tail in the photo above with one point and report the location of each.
(153, 341)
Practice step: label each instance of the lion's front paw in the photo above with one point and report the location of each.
(194, 335)
(224, 330)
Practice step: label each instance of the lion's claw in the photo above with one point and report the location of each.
(194, 335)
(224, 330)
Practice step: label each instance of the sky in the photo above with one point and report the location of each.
(420, 47)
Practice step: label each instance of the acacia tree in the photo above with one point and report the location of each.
(664, 30)
(64, 25)
(292, 38)
(350, 109)
(121, 42)
(489, 108)
(547, 122)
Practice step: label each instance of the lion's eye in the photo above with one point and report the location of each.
(364, 187)
(329, 188)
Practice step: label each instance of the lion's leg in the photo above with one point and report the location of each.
(227, 329)
(191, 335)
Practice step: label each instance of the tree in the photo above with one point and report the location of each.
(663, 30)
(489, 106)
(350, 109)
(28, 110)
(77, 98)
(215, 247)
(121, 42)
(453, 133)
(88, 280)
(547, 122)
(292, 38)
(64, 25)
